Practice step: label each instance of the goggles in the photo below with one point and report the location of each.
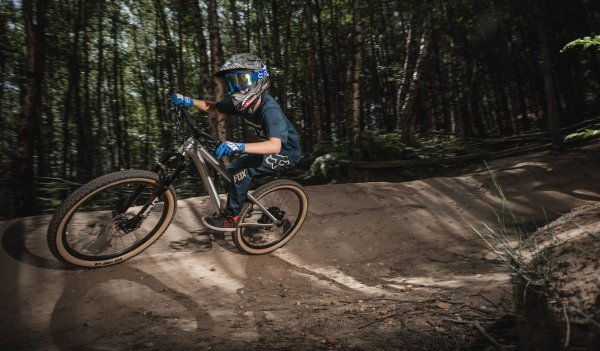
(238, 81)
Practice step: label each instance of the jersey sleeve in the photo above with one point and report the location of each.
(275, 124)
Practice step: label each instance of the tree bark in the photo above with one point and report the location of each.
(171, 57)
(407, 109)
(276, 85)
(202, 51)
(235, 27)
(85, 142)
(551, 103)
(34, 18)
(98, 110)
(404, 79)
(216, 52)
(339, 75)
(357, 43)
(326, 129)
(116, 109)
(144, 91)
(312, 66)
(286, 61)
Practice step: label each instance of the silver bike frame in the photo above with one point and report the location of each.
(202, 159)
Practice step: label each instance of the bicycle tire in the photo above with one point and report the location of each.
(288, 201)
(86, 220)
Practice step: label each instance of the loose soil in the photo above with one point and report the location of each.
(376, 266)
(559, 308)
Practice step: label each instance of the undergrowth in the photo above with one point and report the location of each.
(389, 146)
(326, 162)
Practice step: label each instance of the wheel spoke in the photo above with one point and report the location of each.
(85, 232)
(286, 203)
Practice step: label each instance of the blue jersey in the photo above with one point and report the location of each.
(269, 121)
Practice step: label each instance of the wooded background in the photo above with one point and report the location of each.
(85, 85)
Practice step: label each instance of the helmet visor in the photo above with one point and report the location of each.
(239, 81)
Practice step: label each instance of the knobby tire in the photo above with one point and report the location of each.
(284, 197)
(88, 214)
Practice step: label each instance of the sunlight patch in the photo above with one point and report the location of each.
(457, 282)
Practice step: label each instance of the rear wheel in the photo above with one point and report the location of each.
(104, 222)
(287, 202)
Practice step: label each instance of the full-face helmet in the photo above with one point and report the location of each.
(246, 78)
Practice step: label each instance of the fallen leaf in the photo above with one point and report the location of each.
(443, 305)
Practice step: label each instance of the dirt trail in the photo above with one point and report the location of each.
(376, 266)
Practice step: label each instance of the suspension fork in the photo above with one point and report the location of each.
(166, 179)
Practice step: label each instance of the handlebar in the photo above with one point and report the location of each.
(185, 121)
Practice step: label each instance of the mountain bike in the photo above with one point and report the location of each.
(118, 215)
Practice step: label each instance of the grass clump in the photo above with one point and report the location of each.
(529, 261)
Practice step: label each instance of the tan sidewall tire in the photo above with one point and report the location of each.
(64, 254)
(268, 188)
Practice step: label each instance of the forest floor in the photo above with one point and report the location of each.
(376, 266)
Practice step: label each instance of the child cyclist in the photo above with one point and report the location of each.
(246, 80)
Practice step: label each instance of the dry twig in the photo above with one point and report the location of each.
(587, 316)
(568, 336)
(494, 342)
(459, 321)
(388, 316)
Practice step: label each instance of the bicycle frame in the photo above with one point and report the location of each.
(202, 159)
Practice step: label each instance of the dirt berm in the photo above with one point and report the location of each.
(376, 266)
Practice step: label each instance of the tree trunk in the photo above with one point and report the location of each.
(312, 66)
(85, 163)
(171, 57)
(407, 109)
(116, 110)
(3, 76)
(144, 91)
(181, 62)
(276, 85)
(286, 61)
(551, 103)
(404, 79)
(442, 87)
(34, 18)
(339, 75)
(356, 67)
(216, 52)
(235, 27)
(260, 29)
(101, 131)
(202, 51)
(5, 45)
(324, 76)
(74, 95)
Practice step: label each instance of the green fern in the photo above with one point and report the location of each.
(586, 134)
(585, 43)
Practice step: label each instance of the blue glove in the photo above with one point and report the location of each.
(227, 148)
(179, 99)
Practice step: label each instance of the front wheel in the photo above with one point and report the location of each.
(287, 202)
(111, 219)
